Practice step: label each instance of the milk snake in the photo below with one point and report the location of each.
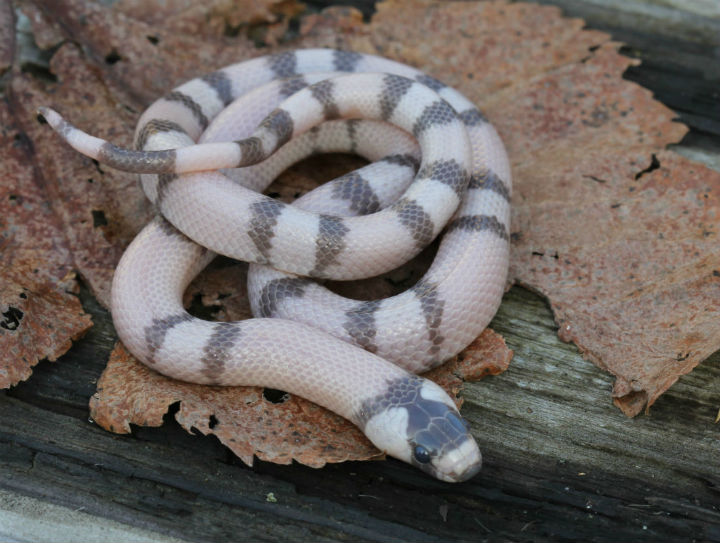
(205, 152)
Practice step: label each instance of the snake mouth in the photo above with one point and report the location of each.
(468, 473)
(461, 464)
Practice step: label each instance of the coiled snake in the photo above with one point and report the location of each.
(436, 163)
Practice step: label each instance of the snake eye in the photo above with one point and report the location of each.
(421, 454)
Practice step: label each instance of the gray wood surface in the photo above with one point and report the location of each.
(561, 462)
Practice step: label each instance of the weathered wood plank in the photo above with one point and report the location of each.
(185, 492)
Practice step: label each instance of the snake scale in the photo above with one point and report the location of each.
(208, 149)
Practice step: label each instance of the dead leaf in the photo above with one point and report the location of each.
(44, 32)
(38, 322)
(101, 209)
(261, 20)
(646, 309)
(209, 19)
(139, 61)
(105, 87)
(39, 317)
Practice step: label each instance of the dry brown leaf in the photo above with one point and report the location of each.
(38, 321)
(630, 269)
(45, 33)
(104, 211)
(216, 18)
(209, 19)
(645, 308)
(38, 318)
(101, 209)
(138, 61)
(240, 417)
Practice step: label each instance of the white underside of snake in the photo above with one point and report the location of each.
(436, 164)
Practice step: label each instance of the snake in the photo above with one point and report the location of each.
(207, 150)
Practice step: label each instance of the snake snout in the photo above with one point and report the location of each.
(461, 464)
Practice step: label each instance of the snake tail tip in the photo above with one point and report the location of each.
(42, 114)
(50, 116)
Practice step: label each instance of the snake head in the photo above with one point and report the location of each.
(417, 422)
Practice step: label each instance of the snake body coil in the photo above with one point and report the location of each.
(436, 163)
